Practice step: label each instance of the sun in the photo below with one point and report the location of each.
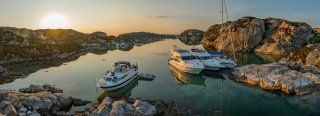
(54, 21)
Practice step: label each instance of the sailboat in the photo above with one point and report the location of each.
(219, 55)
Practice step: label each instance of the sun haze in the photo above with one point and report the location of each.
(159, 16)
(54, 21)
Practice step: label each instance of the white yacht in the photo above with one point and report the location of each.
(185, 61)
(210, 62)
(121, 74)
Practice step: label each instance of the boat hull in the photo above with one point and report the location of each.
(184, 68)
(212, 68)
(228, 65)
(115, 87)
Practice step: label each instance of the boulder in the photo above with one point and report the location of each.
(23, 111)
(104, 108)
(65, 100)
(119, 108)
(144, 108)
(2, 69)
(53, 99)
(35, 88)
(313, 58)
(7, 109)
(47, 102)
(52, 89)
(80, 102)
(35, 103)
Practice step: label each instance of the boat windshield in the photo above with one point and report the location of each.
(188, 58)
(206, 57)
(108, 79)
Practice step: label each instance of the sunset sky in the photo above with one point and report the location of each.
(159, 16)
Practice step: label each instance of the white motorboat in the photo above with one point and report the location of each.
(185, 61)
(210, 62)
(121, 74)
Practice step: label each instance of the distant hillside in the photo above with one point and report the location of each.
(191, 36)
(143, 36)
(24, 45)
(20, 45)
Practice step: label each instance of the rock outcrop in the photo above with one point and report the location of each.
(38, 101)
(280, 77)
(267, 36)
(307, 55)
(313, 58)
(7, 109)
(191, 36)
(131, 107)
(245, 33)
(121, 108)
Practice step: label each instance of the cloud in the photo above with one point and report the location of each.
(158, 17)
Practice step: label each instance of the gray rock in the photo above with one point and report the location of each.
(2, 69)
(310, 68)
(104, 108)
(61, 113)
(35, 88)
(47, 102)
(7, 109)
(23, 109)
(80, 102)
(29, 113)
(52, 89)
(35, 114)
(34, 102)
(65, 100)
(118, 108)
(313, 58)
(144, 108)
(54, 99)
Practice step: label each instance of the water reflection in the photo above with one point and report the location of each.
(124, 92)
(195, 79)
(253, 58)
(184, 78)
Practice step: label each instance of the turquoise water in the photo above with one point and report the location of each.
(207, 94)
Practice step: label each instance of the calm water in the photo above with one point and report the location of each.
(207, 94)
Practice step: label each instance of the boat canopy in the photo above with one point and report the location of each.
(216, 53)
(182, 54)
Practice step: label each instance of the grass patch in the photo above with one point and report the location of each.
(314, 40)
(301, 54)
(318, 65)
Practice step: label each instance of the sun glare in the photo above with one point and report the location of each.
(54, 21)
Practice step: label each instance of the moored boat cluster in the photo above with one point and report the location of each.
(195, 60)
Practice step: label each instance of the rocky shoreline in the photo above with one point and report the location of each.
(47, 100)
(37, 100)
(131, 107)
(280, 76)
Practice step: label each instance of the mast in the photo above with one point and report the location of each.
(222, 7)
